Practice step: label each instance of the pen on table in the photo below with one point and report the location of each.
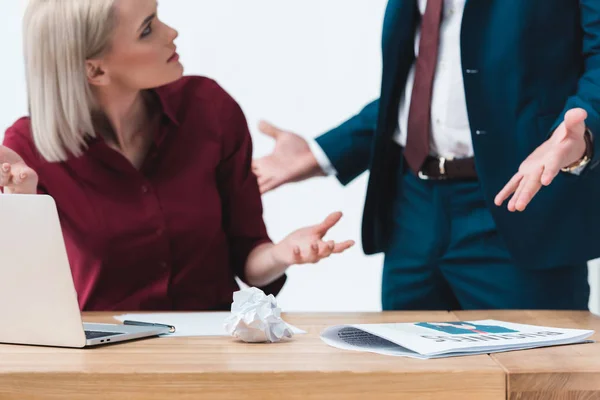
(140, 323)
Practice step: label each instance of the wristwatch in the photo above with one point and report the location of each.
(587, 157)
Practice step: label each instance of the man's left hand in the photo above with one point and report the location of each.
(565, 147)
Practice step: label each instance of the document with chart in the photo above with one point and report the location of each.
(446, 339)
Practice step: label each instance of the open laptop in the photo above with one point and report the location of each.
(38, 302)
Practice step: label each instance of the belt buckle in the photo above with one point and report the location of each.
(442, 167)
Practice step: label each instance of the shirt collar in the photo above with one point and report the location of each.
(166, 101)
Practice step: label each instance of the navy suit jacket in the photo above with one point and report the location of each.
(525, 63)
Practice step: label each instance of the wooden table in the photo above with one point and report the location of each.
(303, 368)
(563, 372)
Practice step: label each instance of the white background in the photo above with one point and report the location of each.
(306, 65)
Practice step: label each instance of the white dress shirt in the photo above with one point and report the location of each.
(450, 130)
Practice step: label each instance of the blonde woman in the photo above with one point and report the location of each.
(150, 171)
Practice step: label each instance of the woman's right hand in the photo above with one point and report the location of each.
(15, 176)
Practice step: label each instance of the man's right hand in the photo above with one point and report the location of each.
(15, 176)
(291, 160)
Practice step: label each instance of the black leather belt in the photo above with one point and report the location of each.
(440, 168)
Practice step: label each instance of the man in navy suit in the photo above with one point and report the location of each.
(470, 89)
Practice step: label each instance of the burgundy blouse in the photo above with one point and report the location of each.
(174, 234)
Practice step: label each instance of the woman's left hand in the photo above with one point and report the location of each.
(306, 245)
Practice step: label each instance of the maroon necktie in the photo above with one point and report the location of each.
(419, 115)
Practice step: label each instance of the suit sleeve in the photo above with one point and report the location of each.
(348, 146)
(587, 95)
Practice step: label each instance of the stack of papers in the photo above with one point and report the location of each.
(189, 323)
(445, 339)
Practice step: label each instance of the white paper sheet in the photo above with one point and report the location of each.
(190, 323)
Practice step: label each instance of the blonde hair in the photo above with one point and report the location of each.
(58, 37)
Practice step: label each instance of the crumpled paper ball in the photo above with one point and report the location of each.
(255, 318)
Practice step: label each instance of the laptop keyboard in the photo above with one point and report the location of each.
(97, 334)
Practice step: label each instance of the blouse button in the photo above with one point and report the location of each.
(164, 265)
(145, 189)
